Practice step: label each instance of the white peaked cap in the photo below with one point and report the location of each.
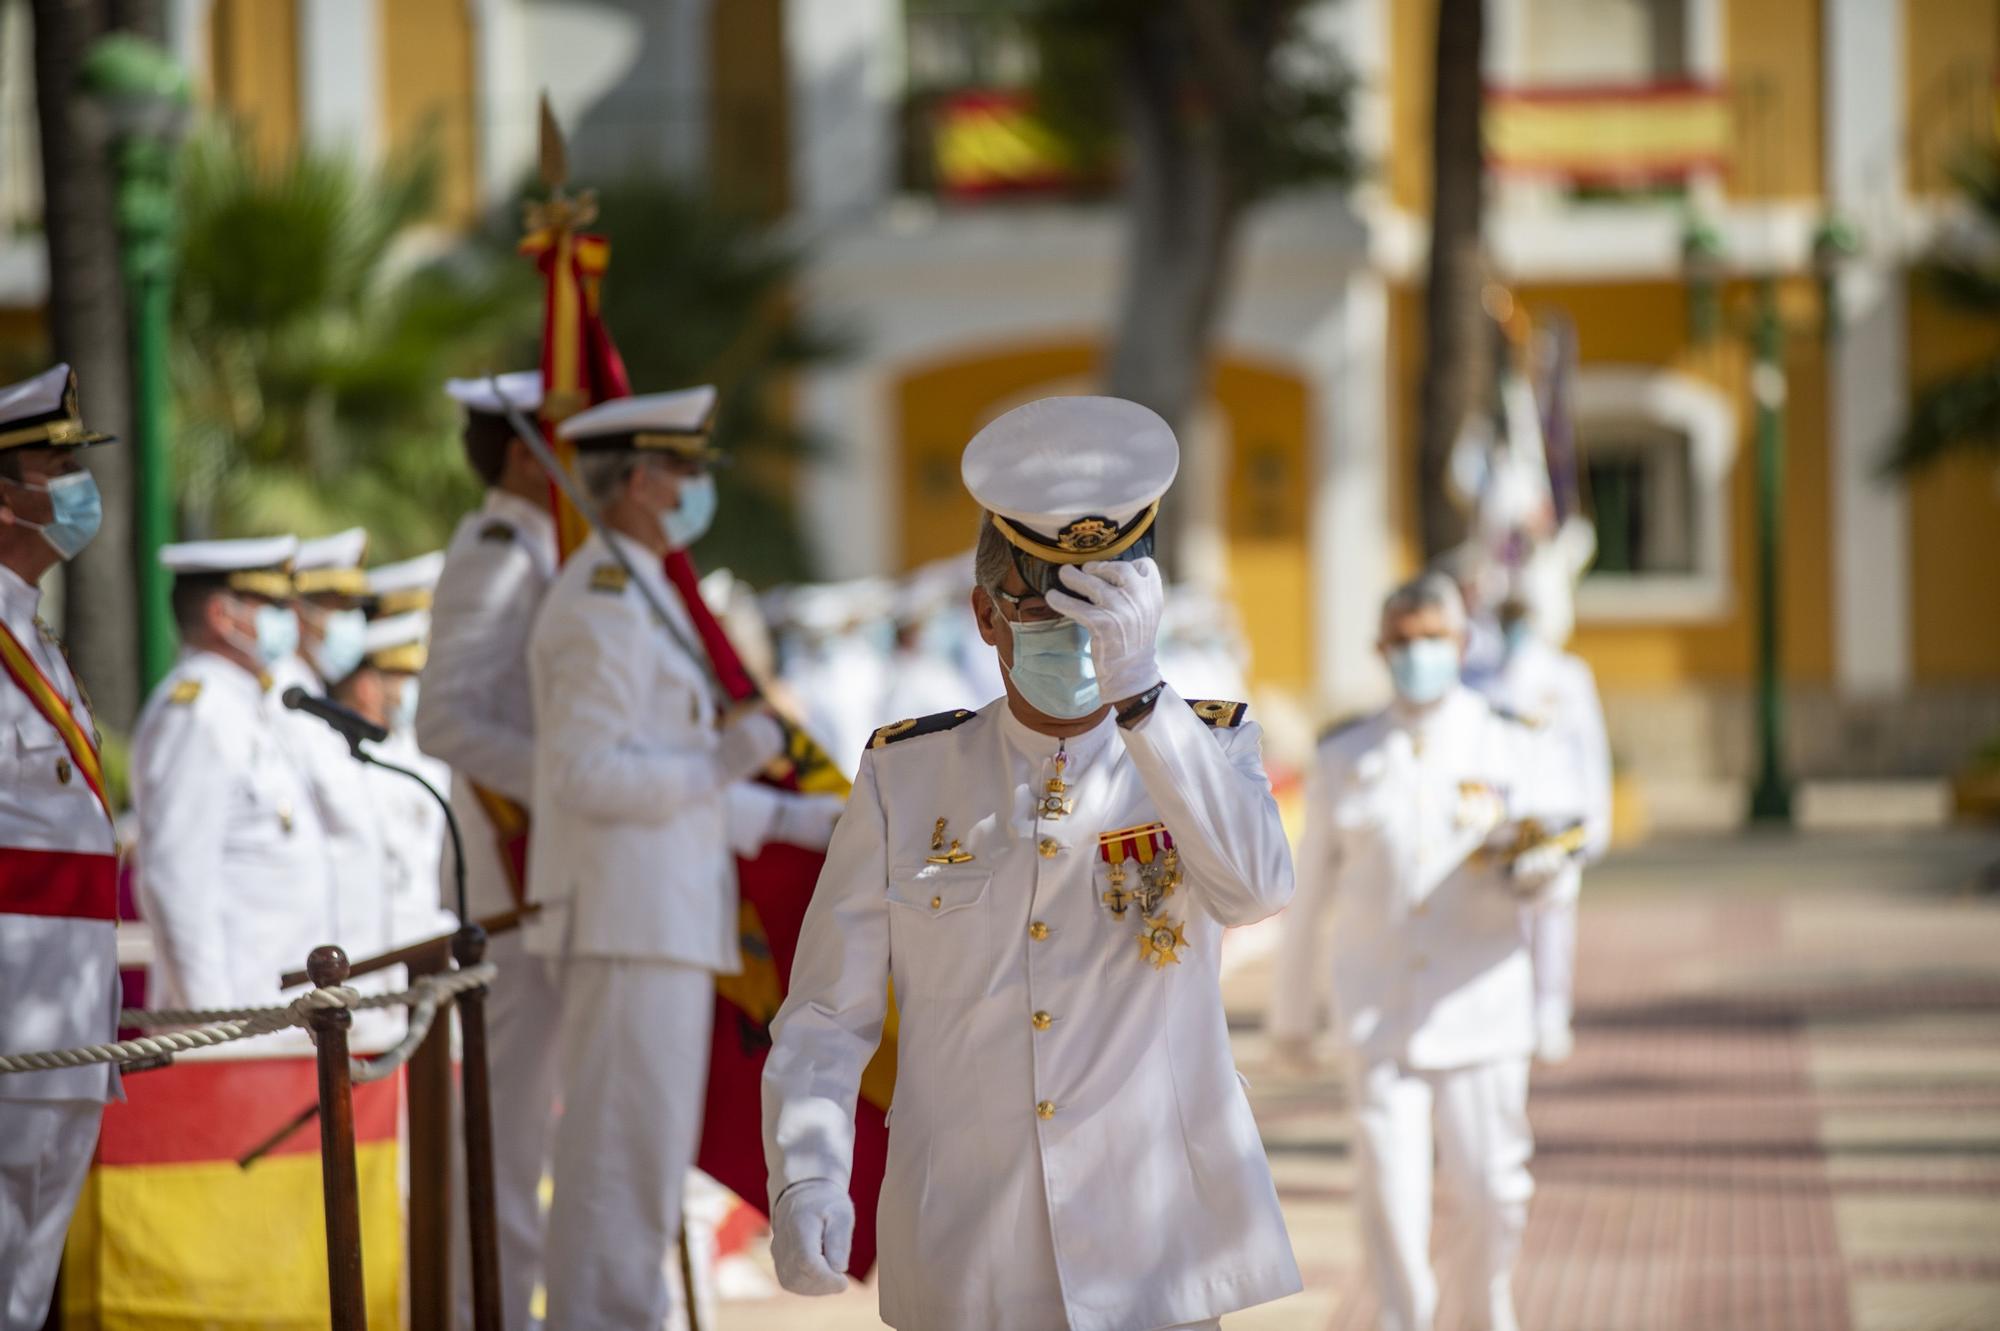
(676, 422)
(343, 549)
(255, 552)
(494, 394)
(1072, 479)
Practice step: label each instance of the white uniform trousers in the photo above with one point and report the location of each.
(1552, 944)
(523, 1005)
(1482, 1147)
(634, 1055)
(45, 1150)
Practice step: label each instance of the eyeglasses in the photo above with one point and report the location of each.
(1028, 608)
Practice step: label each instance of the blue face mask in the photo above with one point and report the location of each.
(1424, 669)
(277, 633)
(1052, 668)
(689, 520)
(341, 644)
(77, 511)
(1517, 634)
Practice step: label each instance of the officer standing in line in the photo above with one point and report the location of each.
(476, 714)
(328, 587)
(58, 853)
(232, 856)
(1556, 692)
(1430, 825)
(1046, 881)
(630, 857)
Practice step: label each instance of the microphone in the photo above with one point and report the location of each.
(352, 726)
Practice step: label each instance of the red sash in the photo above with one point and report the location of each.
(58, 884)
(48, 700)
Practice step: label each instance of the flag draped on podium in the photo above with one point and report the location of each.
(580, 368)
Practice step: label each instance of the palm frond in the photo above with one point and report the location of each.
(1960, 413)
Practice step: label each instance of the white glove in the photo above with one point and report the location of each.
(812, 1228)
(807, 820)
(1120, 603)
(747, 745)
(1535, 869)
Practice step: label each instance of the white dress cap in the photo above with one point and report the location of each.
(260, 565)
(42, 412)
(521, 390)
(1072, 479)
(405, 585)
(343, 549)
(397, 642)
(676, 422)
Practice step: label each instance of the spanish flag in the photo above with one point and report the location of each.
(171, 1234)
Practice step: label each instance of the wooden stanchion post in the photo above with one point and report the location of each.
(468, 948)
(346, 1292)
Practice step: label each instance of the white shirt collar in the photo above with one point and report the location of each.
(20, 601)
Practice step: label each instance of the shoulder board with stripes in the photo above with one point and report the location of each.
(933, 724)
(1220, 713)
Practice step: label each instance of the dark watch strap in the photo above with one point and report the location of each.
(1141, 705)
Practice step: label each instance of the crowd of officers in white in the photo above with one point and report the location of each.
(1045, 880)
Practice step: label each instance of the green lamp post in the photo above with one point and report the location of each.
(144, 96)
(1835, 241)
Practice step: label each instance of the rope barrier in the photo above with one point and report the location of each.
(227, 1025)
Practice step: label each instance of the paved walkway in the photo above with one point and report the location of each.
(1783, 1113)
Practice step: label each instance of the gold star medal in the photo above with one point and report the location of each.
(1162, 942)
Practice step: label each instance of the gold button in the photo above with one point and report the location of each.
(1046, 1109)
(1038, 931)
(1043, 1021)
(1418, 963)
(62, 770)
(936, 902)
(1050, 847)
(1421, 908)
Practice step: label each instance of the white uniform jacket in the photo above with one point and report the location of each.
(476, 710)
(1070, 1144)
(630, 855)
(344, 795)
(1555, 691)
(1429, 965)
(58, 877)
(233, 870)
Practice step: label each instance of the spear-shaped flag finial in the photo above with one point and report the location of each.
(555, 153)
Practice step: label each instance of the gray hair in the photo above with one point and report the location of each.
(1427, 591)
(991, 557)
(602, 474)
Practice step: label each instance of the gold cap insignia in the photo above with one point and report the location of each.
(1086, 534)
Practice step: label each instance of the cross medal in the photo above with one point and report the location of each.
(1055, 802)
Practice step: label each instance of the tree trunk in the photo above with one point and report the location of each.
(1455, 350)
(87, 325)
(1182, 204)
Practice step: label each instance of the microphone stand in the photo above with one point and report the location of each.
(468, 949)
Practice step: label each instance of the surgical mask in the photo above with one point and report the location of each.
(341, 644)
(1052, 669)
(688, 521)
(277, 633)
(1424, 669)
(77, 512)
(1516, 633)
(406, 707)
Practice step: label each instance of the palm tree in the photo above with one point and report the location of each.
(1960, 412)
(310, 348)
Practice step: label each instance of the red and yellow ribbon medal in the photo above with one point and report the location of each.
(1148, 851)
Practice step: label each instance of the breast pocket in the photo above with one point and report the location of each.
(38, 759)
(940, 934)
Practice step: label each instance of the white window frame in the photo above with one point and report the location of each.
(1685, 405)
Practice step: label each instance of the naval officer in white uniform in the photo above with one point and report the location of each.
(234, 873)
(1046, 881)
(58, 857)
(475, 713)
(1555, 691)
(631, 855)
(1429, 826)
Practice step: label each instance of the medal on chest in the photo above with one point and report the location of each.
(1142, 870)
(956, 854)
(1056, 802)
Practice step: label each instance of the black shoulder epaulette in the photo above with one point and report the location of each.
(1342, 726)
(1219, 713)
(610, 576)
(918, 725)
(497, 530)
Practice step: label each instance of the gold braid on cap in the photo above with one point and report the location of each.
(405, 658)
(272, 583)
(1080, 541)
(330, 582)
